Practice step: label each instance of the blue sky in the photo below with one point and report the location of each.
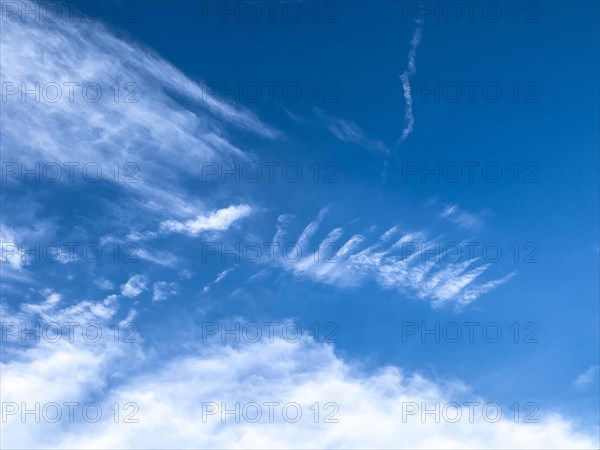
(378, 135)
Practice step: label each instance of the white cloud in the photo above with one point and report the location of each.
(103, 283)
(23, 246)
(217, 220)
(590, 376)
(161, 290)
(19, 246)
(370, 406)
(134, 286)
(11, 248)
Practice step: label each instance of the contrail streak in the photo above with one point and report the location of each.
(409, 119)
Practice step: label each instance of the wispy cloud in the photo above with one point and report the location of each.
(134, 286)
(437, 280)
(461, 218)
(104, 284)
(10, 246)
(409, 119)
(163, 129)
(349, 132)
(588, 377)
(217, 220)
(220, 277)
(161, 290)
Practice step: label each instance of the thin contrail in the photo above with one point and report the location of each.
(409, 120)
